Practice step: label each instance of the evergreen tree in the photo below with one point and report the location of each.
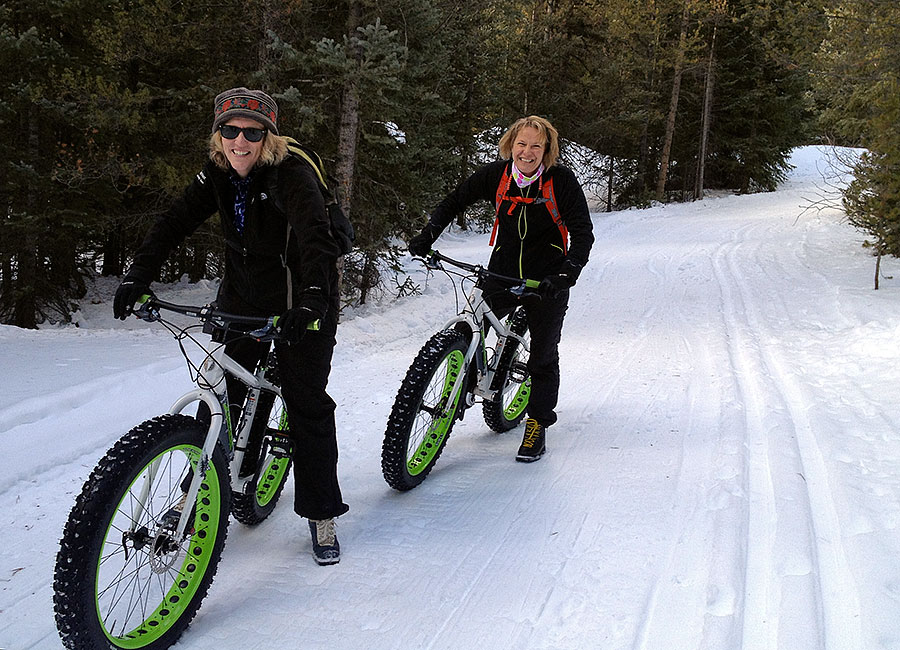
(861, 60)
(110, 105)
(403, 100)
(45, 206)
(409, 140)
(759, 109)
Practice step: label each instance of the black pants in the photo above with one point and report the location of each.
(545, 320)
(303, 368)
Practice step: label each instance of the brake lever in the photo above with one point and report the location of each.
(146, 312)
(432, 261)
(266, 333)
(527, 288)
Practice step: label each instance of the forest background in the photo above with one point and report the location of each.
(106, 105)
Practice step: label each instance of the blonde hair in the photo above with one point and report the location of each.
(274, 150)
(543, 126)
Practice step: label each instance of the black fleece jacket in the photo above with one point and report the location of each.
(529, 244)
(256, 282)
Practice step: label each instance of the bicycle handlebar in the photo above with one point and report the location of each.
(209, 315)
(518, 286)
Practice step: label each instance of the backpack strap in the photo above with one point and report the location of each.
(289, 279)
(548, 197)
(341, 228)
(297, 149)
(502, 193)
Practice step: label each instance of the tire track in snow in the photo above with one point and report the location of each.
(690, 580)
(472, 558)
(759, 608)
(779, 429)
(680, 590)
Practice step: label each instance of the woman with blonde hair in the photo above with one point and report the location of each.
(543, 232)
(280, 259)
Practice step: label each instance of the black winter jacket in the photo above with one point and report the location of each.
(255, 281)
(529, 244)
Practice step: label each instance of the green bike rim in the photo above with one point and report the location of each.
(196, 549)
(272, 476)
(418, 461)
(519, 401)
(270, 479)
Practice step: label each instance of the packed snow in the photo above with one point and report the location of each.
(724, 475)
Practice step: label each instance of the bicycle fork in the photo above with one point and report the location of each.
(212, 393)
(217, 424)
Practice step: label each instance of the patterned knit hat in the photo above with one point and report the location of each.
(243, 102)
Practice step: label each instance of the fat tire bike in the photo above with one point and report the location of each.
(142, 543)
(474, 356)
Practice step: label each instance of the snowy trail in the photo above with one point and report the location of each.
(795, 550)
(688, 595)
(767, 465)
(725, 474)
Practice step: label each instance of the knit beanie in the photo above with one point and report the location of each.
(243, 102)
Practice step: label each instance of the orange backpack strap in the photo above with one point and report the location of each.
(550, 198)
(502, 191)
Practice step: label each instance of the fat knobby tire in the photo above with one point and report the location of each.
(421, 420)
(164, 577)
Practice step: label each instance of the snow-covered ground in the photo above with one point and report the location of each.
(725, 473)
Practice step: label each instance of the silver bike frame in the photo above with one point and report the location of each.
(211, 391)
(476, 315)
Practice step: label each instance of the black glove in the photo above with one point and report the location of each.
(292, 325)
(420, 245)
(554, 285)
(128, 293)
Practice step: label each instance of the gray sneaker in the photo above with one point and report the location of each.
(326, 548)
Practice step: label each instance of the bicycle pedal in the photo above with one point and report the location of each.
(279, 444)
(518, 372)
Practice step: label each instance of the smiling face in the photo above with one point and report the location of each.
(240, 152)
(528, 150)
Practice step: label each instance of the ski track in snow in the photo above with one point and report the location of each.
(782, 561)
(725, 474)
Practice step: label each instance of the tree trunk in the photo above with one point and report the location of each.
(348, 134)
(197, 260)
(643, 164)
(7, 285)
(609, 185)
(113, 264)
(348, 138)
(744, 175)
(673, 107)
(25, 300)
(878, 264)
(705, 118)
(369, 271)
(466, 135)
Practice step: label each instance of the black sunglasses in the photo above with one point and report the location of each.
(251, 133)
